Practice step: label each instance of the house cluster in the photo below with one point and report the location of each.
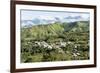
(75, 52)
(57, 45)
(50, 46)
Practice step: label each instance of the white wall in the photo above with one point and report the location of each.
(5, 36)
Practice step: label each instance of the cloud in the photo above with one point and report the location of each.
(45, 17)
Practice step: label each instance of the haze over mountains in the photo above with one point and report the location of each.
(49, 20)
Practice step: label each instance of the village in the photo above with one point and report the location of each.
(59, 46)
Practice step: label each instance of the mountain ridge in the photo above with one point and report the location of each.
(37, 21)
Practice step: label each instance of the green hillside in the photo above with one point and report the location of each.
(56, 28)
(55, 42)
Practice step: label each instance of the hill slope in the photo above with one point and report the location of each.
(55, 29)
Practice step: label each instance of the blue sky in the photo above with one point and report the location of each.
(32, 14)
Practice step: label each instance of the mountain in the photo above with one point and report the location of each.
(76, 17)
(44, 21)
(56, 29)
(80, 26)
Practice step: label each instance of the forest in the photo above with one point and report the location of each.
(55, 42)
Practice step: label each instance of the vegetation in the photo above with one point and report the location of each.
(55, 42)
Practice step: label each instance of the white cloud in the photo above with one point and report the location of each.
(46, 17)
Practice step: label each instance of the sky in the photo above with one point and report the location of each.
(32, 14)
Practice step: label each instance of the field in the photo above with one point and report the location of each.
(55, 42)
